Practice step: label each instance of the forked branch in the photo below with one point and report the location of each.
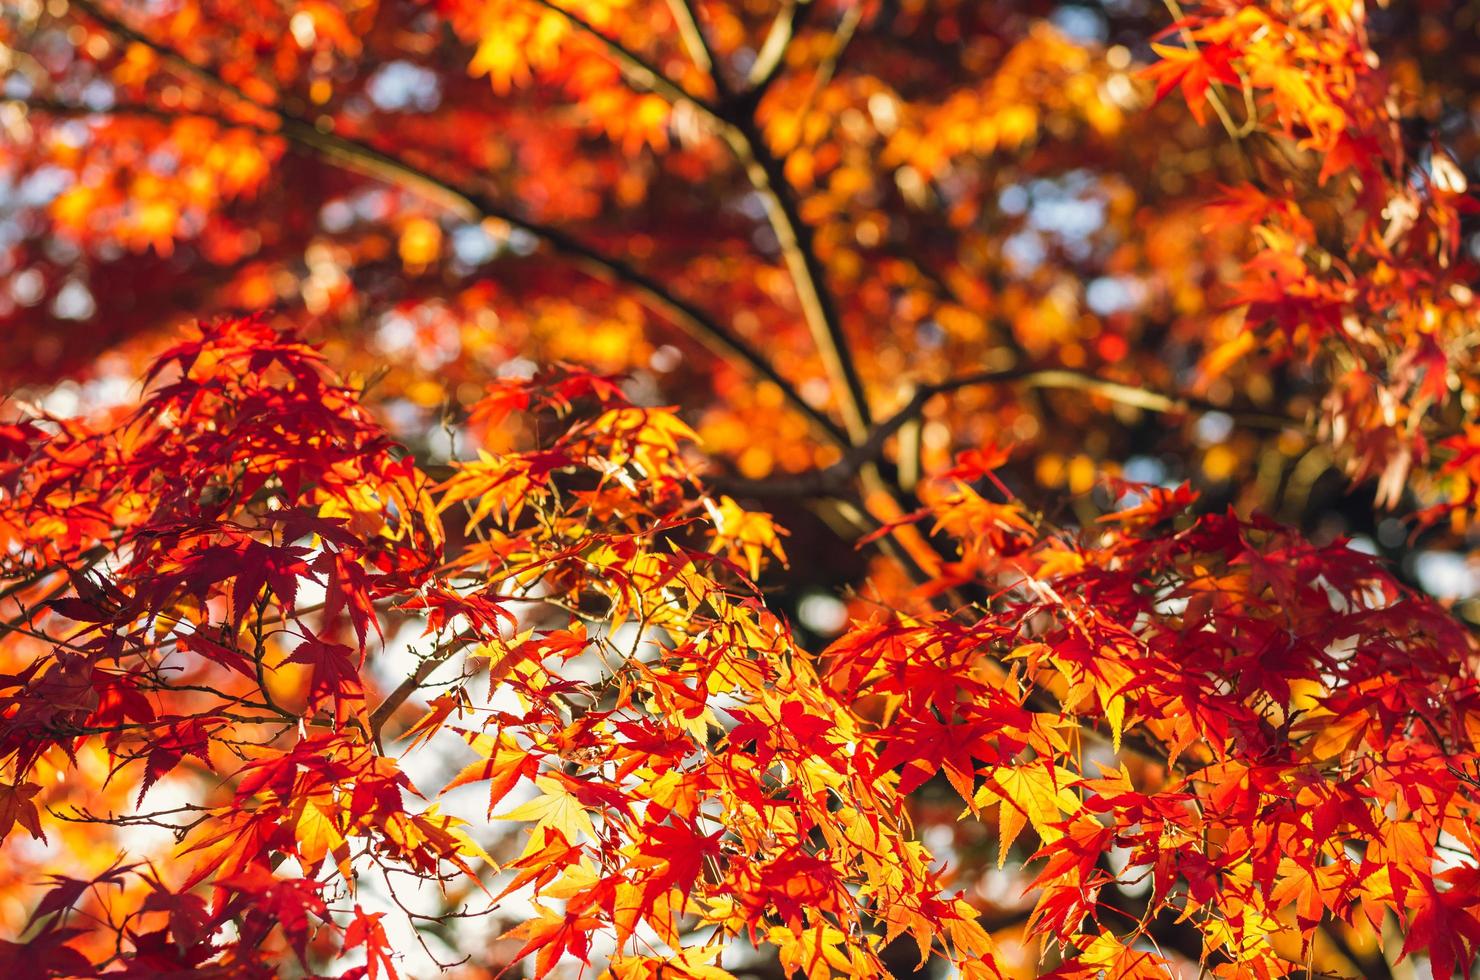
(765, 173)
(838, 477)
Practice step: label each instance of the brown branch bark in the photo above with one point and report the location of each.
(411, 684)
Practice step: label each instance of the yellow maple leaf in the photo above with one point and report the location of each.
(746, 535)
(317, 829)
(555, 809)
(1034, 793)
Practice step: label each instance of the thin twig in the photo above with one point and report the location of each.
(414, 681)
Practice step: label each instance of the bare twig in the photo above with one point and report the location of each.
(414, 681)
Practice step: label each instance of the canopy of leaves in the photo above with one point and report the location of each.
(723, 488)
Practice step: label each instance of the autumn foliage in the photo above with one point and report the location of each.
(436, 426)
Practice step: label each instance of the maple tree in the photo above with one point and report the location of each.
(721, 488)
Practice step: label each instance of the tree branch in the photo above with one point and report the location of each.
(74, 110)
(471, 205)
(697, 45)
(412, 683)
(772, 56)
(793, 237)
(637, 70)
(835, 479)
(767, 176)
(842, 37)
